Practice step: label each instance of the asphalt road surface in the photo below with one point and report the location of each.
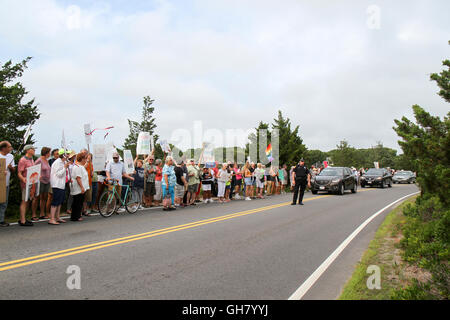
(260, 249)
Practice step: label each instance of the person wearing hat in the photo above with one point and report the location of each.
(115, 170)
(24, 163)
(59, 177)
(300, 176)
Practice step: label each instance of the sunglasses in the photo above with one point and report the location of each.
(115, 157)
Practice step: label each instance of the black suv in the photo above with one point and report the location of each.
(334, 179)
(404, 177)
(377, 177)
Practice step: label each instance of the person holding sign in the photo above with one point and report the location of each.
(24, 163)
(5, 153)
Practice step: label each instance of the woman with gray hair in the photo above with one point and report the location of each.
(158, 182)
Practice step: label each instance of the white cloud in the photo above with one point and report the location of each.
(229, 64)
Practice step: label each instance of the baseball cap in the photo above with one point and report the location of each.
(28, 147)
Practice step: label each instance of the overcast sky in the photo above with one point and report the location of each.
(332, 67)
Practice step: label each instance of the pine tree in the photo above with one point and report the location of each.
(147, 124)
(291, 148)
(15, 114)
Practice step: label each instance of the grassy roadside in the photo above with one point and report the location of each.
(384, 252)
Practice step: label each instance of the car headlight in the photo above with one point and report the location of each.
(363, 178)
(379, 178)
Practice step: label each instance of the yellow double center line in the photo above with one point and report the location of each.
(109, 243)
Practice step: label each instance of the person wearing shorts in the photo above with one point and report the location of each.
(59, 174)
(207, 180)
(150, 188)
(193, 173)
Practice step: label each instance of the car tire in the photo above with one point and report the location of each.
(363, 185)
(314, 191)
(355, 188)
(390, 184)
(382, 185)
(341, 190)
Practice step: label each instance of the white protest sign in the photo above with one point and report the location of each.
(63, 141)
(208, 152)
(165, 146)
(33, 183)
(143, 143)
(152, 143)
(27, 134)
(87, 133)
(99, 157)
(376, 165)
(128, 161)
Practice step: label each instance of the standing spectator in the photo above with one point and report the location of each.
(24, 163)
(72, 157)
(44, 187)
(223, 177)
(59, 176)
(290, 177)
(181, 184)
(79, 186)
(247, 180)
(88, 195)
(207, 180)
(94, 192)
(259, 177)
(5, 153)
(168, 185)
(284, 182)
(193, 173)
(139, 180)
(150, 173)
(158, 182)
(186, 177)
(55, 156)
(238, 181)
(214, 172)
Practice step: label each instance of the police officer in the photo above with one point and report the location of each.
(300, 176)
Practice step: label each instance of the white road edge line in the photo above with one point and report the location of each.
(303, 289)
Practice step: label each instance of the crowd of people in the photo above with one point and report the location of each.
(69, 178)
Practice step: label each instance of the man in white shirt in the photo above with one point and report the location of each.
(5, 153)
(115, 170)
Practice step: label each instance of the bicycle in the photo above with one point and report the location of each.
(107, 204)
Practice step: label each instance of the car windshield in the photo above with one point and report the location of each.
(375, 172)
(404, 173)
(331, 172)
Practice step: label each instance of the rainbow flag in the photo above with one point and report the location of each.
(269, 153)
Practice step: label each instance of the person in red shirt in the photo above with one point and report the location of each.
(24, 163)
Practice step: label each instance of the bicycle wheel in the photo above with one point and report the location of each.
(132, 203)
(107, 204)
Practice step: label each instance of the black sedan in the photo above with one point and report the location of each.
(377, 177)
(334, 179)
(404, 177)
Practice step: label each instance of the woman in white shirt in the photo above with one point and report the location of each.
(78, 186)
(222, 178)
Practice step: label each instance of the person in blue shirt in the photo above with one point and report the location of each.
(169, 180)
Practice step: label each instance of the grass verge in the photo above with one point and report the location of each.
(383, 251)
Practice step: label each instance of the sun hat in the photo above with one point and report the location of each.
(28, 147)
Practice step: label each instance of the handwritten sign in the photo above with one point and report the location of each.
(143, 143)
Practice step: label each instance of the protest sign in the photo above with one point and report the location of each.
(165, 146)
(33, 183)
(208, 152)
(376, 165)
(87, 133)
(99, 157)
(128, 161)
(143, 143)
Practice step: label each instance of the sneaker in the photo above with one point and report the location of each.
(247, 198)
(206, 201)
(4, 224)
(26, 224)
(120, 210)
(211, 200)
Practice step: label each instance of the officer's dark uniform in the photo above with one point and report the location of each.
(301, 179)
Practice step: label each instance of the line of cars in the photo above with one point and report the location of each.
(339, 179)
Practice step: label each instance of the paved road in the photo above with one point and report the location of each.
(261, 249)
